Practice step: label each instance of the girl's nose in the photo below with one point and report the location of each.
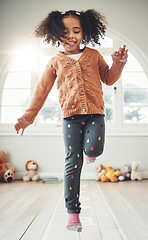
(70, 35)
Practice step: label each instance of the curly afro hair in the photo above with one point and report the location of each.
(92, 22)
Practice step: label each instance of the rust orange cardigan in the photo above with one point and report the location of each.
(78, 82)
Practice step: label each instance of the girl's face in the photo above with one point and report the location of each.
(73, 35)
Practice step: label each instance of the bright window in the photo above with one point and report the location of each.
(16, 90)
(135, 92)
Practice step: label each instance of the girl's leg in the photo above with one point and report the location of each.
(94, 136)
(73, 137)
(79, 132)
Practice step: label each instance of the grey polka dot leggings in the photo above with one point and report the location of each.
(81, 133)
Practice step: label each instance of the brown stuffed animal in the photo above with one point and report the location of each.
(7, 171)
(31, 174)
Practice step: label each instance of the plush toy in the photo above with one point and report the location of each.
(31, 174)
(110, 175)
(125, 173)
(99, 172)
(7, 171)
(135, 173)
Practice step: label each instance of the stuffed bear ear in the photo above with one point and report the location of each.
(26, 166)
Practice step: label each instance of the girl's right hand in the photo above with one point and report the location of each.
(121, 54)
(21, 124)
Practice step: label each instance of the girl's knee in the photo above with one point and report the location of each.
(93, 152)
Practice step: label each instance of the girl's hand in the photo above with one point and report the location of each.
(121, 54)
(21, 124)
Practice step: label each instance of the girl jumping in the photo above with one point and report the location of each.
(79, 73)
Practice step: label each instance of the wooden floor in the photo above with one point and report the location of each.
(110, 211)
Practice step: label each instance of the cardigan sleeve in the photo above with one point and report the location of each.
(41, 92)
(110, 75)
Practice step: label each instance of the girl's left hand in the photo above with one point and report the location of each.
(121, 54)
(21, 124)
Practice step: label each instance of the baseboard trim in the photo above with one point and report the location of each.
(89, 176)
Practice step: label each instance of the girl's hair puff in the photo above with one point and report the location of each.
(51, 28)
(93, 26)
(92, 23)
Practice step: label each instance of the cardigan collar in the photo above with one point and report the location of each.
(64, 56)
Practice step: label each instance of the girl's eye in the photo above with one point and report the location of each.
(76, 31)
(64, 33)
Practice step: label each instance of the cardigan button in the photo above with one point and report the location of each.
(83, 109)
(81, 93)
(76, 63)
(79, 77)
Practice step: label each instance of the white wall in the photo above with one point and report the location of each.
(48, 151)
(17, 21)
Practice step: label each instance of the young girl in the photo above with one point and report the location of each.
(79, 73)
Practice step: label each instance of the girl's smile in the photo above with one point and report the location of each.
(71, 43)
(72, 36)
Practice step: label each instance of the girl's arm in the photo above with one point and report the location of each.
(110, 76)
(41, 92)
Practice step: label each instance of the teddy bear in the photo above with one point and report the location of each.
(99, 172)
(7, 171)
(135, 173)
(31, 174)
(125, 173)
(110, 175)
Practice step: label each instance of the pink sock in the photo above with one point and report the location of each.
(74, 222)
(89, 159)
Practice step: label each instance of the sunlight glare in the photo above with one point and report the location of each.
(24, 59)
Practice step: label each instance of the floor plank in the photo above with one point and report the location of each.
(35, 210)
(106, 223)
(48, 204)
(25, 209)
(129, 207)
